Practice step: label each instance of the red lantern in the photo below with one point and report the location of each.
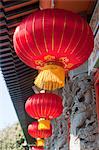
(35, 133)
(44, 105)
(37, 148)
(53, 41)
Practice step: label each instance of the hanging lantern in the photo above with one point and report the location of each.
(37, 148)
(36, 133)
(53, 41)
(44, 106)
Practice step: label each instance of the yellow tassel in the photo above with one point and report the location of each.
(40, 142)
(51, 77)
(43, 124)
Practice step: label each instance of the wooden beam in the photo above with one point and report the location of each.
(20, 5)
(21, 14)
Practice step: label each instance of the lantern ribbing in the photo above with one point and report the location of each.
(44, 105)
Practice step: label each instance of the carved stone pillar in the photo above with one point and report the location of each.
(80, 103)
(58, 140)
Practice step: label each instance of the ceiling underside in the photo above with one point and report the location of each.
(19, 77)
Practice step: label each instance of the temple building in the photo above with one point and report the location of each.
(77, 128)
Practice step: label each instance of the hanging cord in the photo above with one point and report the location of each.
(53, 4)
(46, 4)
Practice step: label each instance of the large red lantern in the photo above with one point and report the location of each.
(37, 148)
(35, 133)
(53, 41)
(44, 106)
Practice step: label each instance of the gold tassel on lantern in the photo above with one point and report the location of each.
(40, 142)
(43, 124)
(51, 77)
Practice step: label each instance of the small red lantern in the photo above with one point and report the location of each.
(35, 133)
(53, 41)
(44, 106)
(37, 148)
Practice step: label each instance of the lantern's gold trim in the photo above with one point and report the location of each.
(53, 33)
(43, 124)
(51, 77)
(84, 42)
(35, 37)
(26, 39)
(70, 65)
(75, 25)
(49, 58)
(44, 34)
(40, 142)
(62, 35)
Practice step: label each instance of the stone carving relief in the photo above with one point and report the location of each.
(58, 140)
(79, 102)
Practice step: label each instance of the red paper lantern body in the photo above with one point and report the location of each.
(53, 35)
(44, 105)
(37, 148)
(35, 133)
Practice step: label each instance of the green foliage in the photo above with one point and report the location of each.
(12, 138)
